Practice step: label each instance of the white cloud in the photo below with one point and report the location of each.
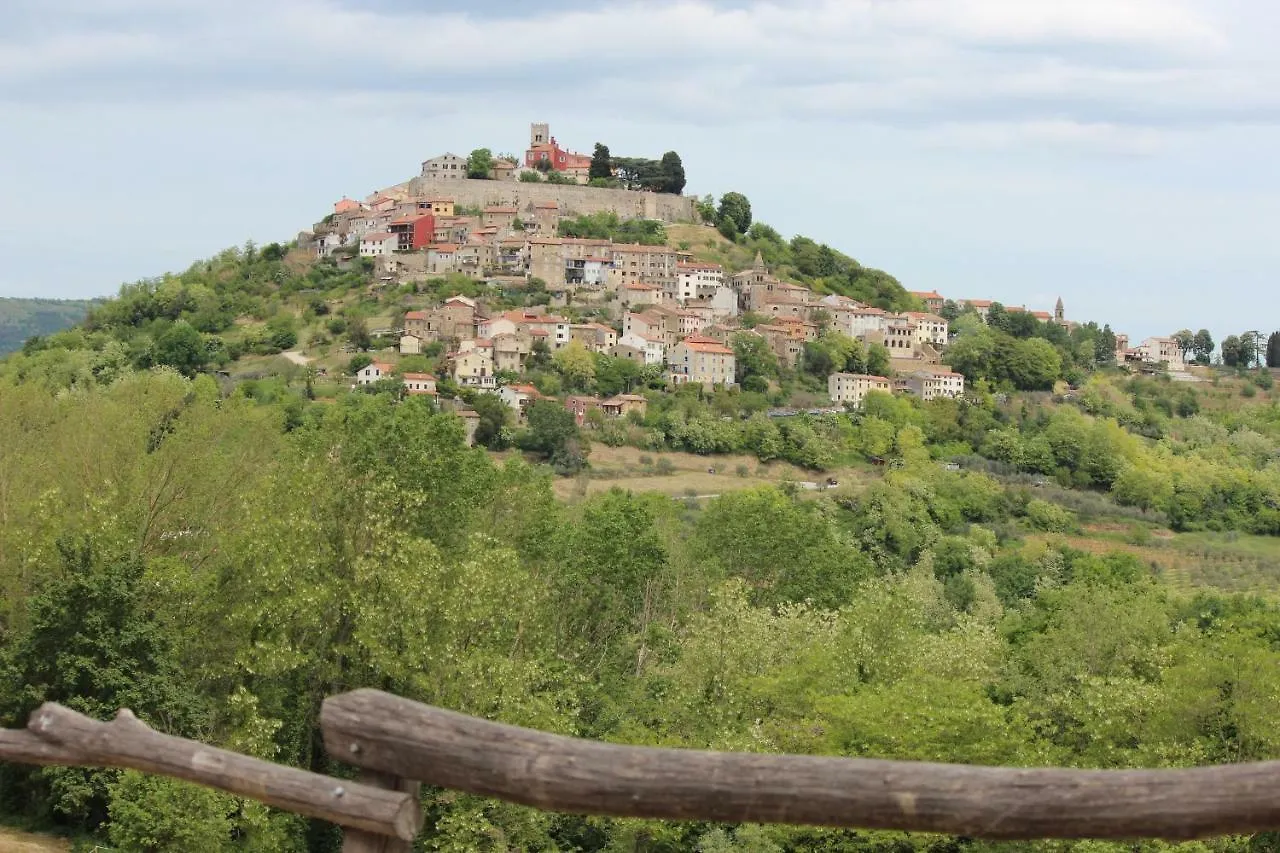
(1147, 63)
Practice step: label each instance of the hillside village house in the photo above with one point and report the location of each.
(419, 384)
(702, 361)
(932, 299)
(411, 345)
(1156, 350)
(853, 387)
(623, 405)
(596, 337)
(445, 167)
(519, 398)
(697, 280)
(930, 328)
(650, 350)
(578, 405)
(511, 351)
(932, 384)
(502, 217)
(373, 371)
(473, 368)
(377, 245)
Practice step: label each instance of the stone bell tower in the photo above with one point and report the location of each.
(539, 134)
(1059, 313)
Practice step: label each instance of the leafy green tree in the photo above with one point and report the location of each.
(181, 347)
(1234, 352)
(553, 432)
(480, 163)
(734, 212)
(752, 356)
(784, 548)
(94, 643)
(601, 163)
(878, 360)
(577, 365)
(1203, 346)
(358, 334)
(495, 415)
(673, 179)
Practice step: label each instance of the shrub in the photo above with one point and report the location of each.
(664, 466)
(1051, 518)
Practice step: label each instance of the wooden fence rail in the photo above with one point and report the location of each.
(398, 743)
(394, 735)
(58, 735)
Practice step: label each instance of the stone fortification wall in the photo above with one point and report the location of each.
(573, 200)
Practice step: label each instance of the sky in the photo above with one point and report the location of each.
(1121, 154)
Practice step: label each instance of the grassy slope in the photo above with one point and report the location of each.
(22, 318)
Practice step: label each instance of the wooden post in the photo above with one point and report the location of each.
(127, 742)
(358, 841)
(383, 732)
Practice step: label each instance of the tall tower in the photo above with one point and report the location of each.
(539, 133)
(1059, 313)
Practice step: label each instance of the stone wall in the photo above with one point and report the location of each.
(573, 200)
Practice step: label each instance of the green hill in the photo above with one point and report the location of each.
(21, 319)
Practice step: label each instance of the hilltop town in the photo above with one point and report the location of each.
(634, 294)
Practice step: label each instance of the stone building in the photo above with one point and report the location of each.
(446, 167)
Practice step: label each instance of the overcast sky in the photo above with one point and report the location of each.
(1119, 153)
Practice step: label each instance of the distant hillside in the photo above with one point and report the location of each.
(22, 318)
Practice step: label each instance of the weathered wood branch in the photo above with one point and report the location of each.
(127, 742)
(22, 747)
(394, 735)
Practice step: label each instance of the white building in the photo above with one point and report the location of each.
(372, 372)
(697, 280)
(852, 387)
(653, 348)
(377, 245)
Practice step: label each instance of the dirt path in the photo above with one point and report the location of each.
(297, 358)
(12, 841)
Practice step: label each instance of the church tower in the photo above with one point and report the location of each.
(539, 134)
(1059, 313)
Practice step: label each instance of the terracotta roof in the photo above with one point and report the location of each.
(546, 205)
(524, 389)
(640, 286)
(627, 398)
(419, 377)
(438, 199)
(382, 366)
(977, 303)
(443, 248)
(926, 294)
(380, 237)
(693, 265)
(707, 345)
(415, 315)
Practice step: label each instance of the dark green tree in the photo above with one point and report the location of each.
(553, 432)
(181, 347)
(358, 334)
(1273, 350)
(494, 415)
(735, 212)
(601, 163)
(1203, 346)
(92, 642)
(672, 173)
